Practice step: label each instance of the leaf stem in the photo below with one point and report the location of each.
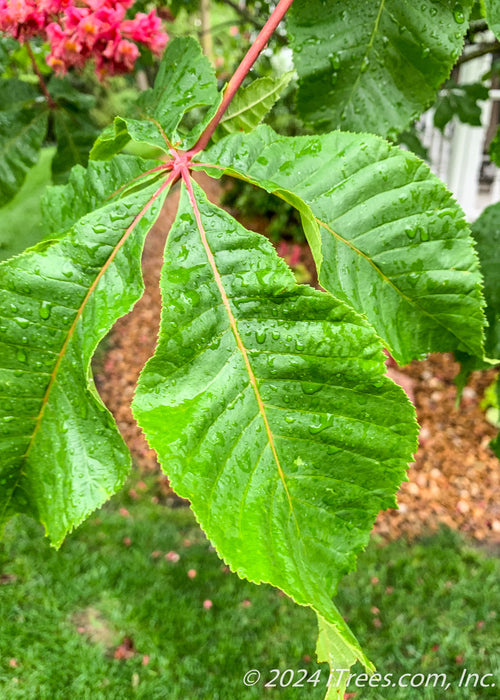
(39, 75)
(241, 73)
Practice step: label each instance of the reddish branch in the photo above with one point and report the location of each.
(39, 75)
(241, 73)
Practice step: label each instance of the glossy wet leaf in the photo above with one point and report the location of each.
(268, 407)
(61, 455)
(393, 242)
(185, 81)
(373, 65)
(22, 133)
(251, 104)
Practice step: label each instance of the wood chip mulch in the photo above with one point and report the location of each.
(455, 479)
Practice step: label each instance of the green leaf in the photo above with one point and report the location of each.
(494, 149)
(492, 11)
(115, 137)
(393, 241)
(461, 101)
(22, 133)
(61, 455)
(16, 94)
(185, 80)
(86, 190)
(75, 135)
(64, 93)
(21, 218)
(268, 407)
(373, 65)
(250, 105)
(486, 232)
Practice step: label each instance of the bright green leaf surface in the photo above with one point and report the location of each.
(250, 105)
(21, 136)
(185, 80)
(61, 455)
(373, 65)
(269, 410)
(394, 242)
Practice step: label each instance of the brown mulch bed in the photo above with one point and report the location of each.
(455, 479)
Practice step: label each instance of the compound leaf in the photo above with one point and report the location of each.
(373, 66)
(268, 407)
(393, 242)
(61, 455)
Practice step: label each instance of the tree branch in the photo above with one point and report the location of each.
(241, 72)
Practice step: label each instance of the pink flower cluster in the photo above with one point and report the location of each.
(79, 31)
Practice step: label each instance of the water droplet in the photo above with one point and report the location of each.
(364, 64)
(458, 14)
(321, 423)
(262, 161)
(67, 270)
(276, 335)
(424, 235)
(433, 11)
(410, 232)
(21, 355)
(289, 418)
(8, 419)
(23, 322)
(310, 387)
(45, 309)
(260, 336)
(335, 61)
(426, 52)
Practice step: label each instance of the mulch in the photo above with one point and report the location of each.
(455, 480)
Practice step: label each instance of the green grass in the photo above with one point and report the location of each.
(21, 218)
(64, 613)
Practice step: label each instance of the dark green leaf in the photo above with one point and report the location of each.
(64, 93)
(22, 133)
(460, 101)
(267, 404)
(16, 95)
(486, 232)
(75, 135)
(389, 238)
(373, 65)
(61, 454)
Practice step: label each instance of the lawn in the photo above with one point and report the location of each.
(123, 611)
